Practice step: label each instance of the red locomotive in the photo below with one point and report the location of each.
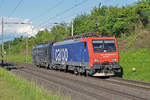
(90, 55)
(103, 56)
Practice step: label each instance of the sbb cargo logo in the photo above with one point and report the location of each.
(61, 54)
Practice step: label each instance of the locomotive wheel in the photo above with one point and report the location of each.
(65, 70)
(86, 73)
(49, 67)
(38, 66)
(121, 73)
(75, 72)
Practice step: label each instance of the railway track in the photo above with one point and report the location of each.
(89, 88)
(131, 82)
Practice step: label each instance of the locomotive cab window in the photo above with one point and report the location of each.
(104, 45)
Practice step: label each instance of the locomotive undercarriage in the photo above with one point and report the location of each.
(75, 69)
(106, 69)
(98, 69)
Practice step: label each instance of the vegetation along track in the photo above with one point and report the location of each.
(87, 88)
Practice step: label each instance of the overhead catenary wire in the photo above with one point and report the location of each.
(62, 18)
(62, 13)
(65, 11)
(13, 11)
(73, 15)
(48, 10)
(86, 9)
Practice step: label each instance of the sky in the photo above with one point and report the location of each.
(38, 13)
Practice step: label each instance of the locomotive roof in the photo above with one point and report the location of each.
(68, 41)
(71, 41)
(42, 45)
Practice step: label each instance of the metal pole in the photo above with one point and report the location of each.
(27, 51)
(27, 48)
(72, 28)
(2, 49)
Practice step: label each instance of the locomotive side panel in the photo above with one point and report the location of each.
(61, 54)
(74, 54)
(80, 56)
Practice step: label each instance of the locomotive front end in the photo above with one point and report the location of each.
(104, 57)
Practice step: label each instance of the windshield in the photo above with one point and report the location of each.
(104, 45)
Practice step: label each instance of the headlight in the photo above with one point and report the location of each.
(96, 60)
(114, 59)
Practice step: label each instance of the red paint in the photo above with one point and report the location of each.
(104, 57)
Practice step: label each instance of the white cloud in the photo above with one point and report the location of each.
(18, 29)
(42, 29)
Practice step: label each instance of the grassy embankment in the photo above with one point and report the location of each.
(14, 88)
(140, 59)
(135, 52)
(18, 58)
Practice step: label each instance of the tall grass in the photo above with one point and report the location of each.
(140, 59)
(18, 58)
(22, 89)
